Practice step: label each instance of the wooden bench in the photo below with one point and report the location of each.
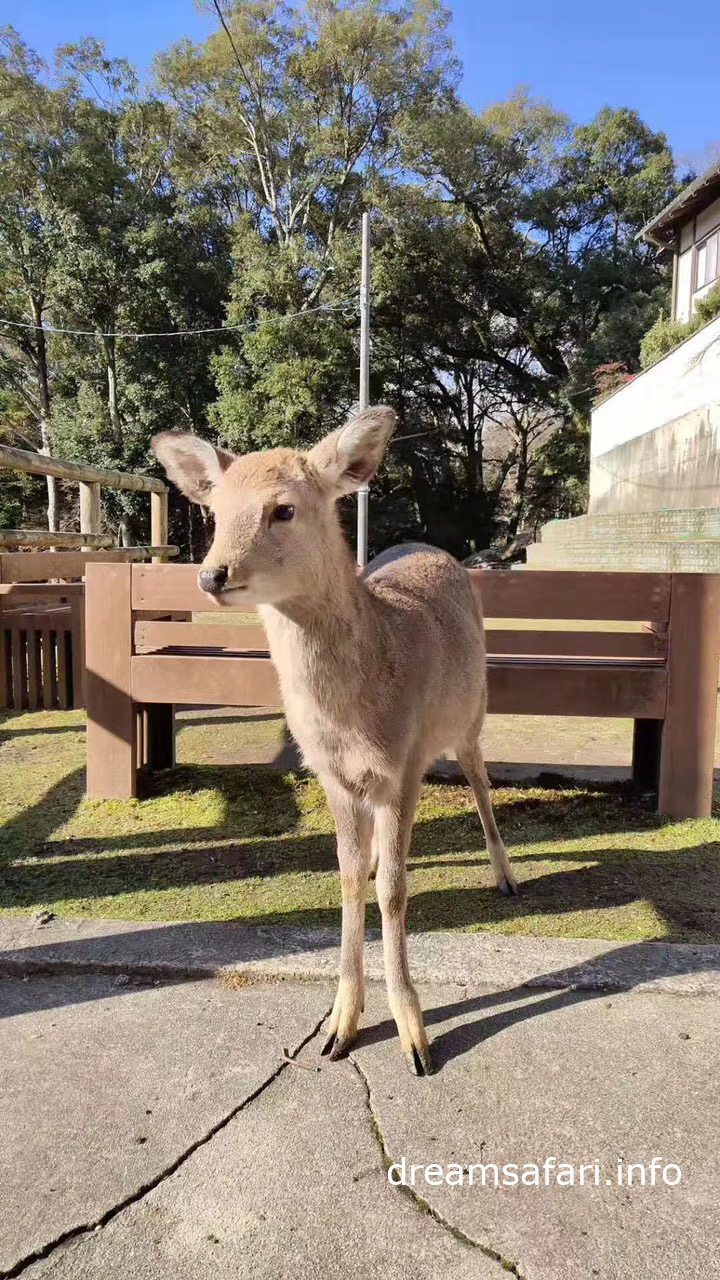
(661, 671)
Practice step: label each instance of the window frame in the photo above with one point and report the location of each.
(711, 235)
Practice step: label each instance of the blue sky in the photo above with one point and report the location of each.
(579, 56)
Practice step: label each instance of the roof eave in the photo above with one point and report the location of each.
(673, 213)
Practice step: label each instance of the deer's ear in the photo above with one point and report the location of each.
(194, 465)
(349, 457)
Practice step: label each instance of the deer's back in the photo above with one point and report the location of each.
(434, 634)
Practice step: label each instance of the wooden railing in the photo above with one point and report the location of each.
(90, 480)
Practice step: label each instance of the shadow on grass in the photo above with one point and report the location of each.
(258, 837)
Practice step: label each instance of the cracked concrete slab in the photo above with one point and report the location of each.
(294, 1185)
(294, 1182)
(104, 1084)
(185, 949)
(578, 1076)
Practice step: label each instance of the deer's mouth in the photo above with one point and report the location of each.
(224, 598)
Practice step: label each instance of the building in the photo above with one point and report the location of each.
(690, 226)
(655, 443)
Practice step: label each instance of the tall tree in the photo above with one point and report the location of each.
(32, 136)
(296, 110)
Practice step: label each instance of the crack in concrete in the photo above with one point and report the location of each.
(87, 1228)
(419, 1202)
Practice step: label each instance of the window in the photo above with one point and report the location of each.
(707, 260)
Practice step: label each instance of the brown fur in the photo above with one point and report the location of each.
(380, 674)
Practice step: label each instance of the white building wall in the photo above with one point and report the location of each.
(686, 379)
(708, 219)
(691, 233)
(683, 285)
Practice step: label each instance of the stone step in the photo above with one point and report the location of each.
(686, 556)
(697, 523)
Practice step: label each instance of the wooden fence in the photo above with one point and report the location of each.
(42, 629)
(90, 480)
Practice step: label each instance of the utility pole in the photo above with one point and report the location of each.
(364, 397)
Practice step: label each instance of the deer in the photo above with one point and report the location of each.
(381, 672)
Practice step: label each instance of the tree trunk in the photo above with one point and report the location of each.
(520, 486)
(115, 419)
(43, 381)
(474, 478)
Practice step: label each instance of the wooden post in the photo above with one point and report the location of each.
(363, 498)
(688, 739)
(159, 523)
(111, 717)
(89, 508)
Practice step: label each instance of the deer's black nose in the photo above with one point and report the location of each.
(213, 580)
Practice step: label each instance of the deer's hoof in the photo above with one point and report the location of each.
(508, 887)
(337, 1047)
(419, 1061)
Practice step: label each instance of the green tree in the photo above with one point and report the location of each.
(296, 111)
(32, 130)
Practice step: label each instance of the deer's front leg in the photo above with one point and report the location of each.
(393, 826)
(353, 822)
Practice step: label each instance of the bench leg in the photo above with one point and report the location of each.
(647, 738)
(688, 740)
(159, 735)
(111, 716)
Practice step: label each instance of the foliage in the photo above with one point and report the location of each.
(227, 196)
(666, 334)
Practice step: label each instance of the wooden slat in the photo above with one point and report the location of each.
(4, 663)
(22, 592)
(39, 464)
(42, 538)
(78, 651)
(17, 649)
(63, 682)
(167, 587)
(47, 659)
(197, 679)
(580, 644)
(150, 636)
(544, 688)
(538, 593)
(33, 668)
(38, 616)
(34, 566)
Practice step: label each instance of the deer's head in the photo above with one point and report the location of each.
(276, 527)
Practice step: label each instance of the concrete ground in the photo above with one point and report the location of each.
(152, 1129)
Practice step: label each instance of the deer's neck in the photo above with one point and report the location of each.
(322, 646)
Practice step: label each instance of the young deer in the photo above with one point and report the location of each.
(380, 673)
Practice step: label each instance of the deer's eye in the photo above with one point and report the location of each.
(284, 511)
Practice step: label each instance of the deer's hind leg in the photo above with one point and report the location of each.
(353, 822)
(470, 759)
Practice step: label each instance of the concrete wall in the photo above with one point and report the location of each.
(655, 443)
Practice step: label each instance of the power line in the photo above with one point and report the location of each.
(177, 333)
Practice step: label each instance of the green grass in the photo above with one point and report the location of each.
(214, 841)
